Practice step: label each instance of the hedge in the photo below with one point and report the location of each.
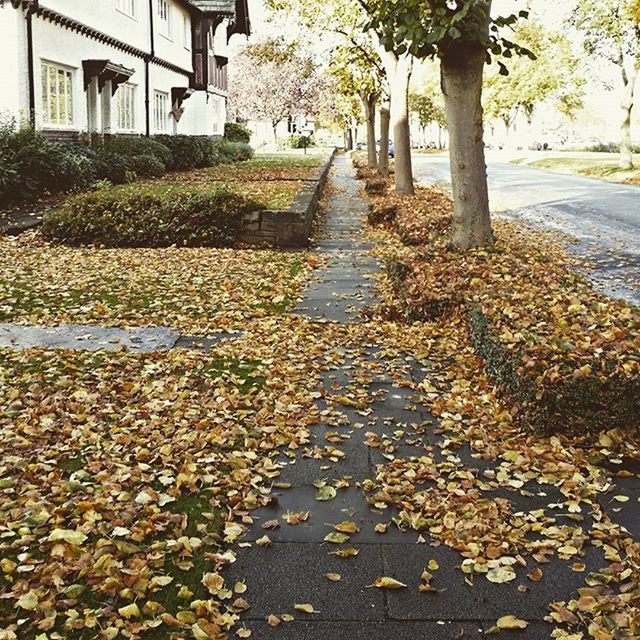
(234, 132)
(150, 216)
(32, 166)
(563, 356)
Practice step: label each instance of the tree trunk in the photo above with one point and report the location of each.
(398, 70)
(274, 126)
(462, 68)
(626, 151)
(440, 137)
(348, 139)
(369, 101)
(385, 119)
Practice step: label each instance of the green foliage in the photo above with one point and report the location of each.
(428, 106)
(152, 216)
(235, 132)
(224, 152)
(554, 75)
(296, 141)
(32, 166)
(187, 152)
(139, 146)
(146, 166)
(111, 166)
(434, 28)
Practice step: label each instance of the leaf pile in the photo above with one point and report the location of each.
(566, 356)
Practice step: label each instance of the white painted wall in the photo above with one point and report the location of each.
(14, 97)
(103, 16)
(172, 47)
(205, 112)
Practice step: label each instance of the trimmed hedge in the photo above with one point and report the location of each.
(234, 132)
(152, 216)
(606, 401)
(564, 357)
(32, 166)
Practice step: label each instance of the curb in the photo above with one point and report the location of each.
(289, 227)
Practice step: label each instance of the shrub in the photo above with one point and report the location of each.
(224, 152)
(150, 216)
(146, 166)
(234, 132)
(139, 146)
(187, 152)
(298, 141)
(52, 167)
(111, 166)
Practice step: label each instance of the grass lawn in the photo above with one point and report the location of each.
(191, 289)
(604, 169)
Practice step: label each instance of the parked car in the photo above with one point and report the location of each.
(391, 148)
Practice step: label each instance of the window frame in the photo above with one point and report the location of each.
(186, 32)
(160, 97)
(126, 91)
(45, 98)
(123, 9)
(164, 15)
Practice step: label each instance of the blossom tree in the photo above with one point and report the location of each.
(271, 81)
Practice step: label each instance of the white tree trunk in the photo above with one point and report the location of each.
(626, 151)
(385, 119)
(398, 71)
(369, 101)
(462, 68)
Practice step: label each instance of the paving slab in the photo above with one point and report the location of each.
(384, 630)
(282, 575)
(482, 601)
(349, 505)
(87, 337)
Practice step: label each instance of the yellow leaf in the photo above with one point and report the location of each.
(511, 622)
(67, 535)
(305, 608)
(130, 611)
(388, 583)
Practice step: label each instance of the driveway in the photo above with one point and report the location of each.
(602, 218)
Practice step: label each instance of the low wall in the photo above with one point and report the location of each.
(290, 227)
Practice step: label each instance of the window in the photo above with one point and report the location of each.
(128, 7)
(126, 107)
(164, 18)
(57, 95)
(186, 32)
(160, 110)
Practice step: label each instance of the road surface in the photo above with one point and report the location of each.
(602, 217)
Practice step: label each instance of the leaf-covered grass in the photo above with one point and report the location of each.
(195, 290)
(592, 167)
(119, 485)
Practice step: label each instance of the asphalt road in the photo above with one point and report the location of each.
(601, 218)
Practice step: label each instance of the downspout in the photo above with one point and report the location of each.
(30, 65)
(147, 87)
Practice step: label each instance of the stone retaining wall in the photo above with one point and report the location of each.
(290, 227)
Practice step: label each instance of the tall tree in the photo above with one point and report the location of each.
(461, 34)
(612, 31)
(357, 71)
(555, 75)
(348, 18)
(271, 80)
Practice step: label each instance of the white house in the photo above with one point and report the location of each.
(118, 66)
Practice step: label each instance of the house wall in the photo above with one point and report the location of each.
(172, 47)
(104, 16)
(204, 112)
(14, 97)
